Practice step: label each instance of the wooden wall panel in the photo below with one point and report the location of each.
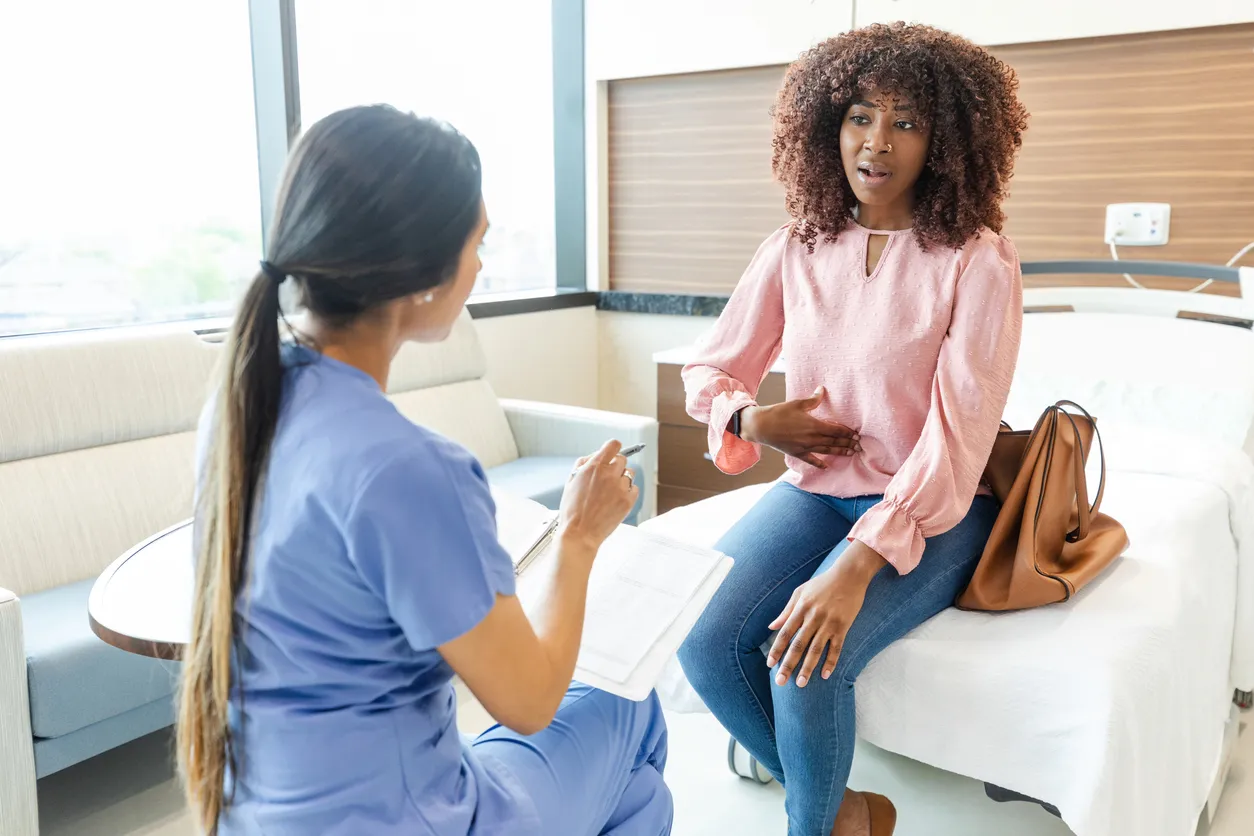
(1159, 117)
(690, 188)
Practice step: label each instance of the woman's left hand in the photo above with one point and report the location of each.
(820, 613)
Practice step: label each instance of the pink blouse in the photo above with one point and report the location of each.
(917, 357)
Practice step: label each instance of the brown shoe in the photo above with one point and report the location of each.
(883, 814)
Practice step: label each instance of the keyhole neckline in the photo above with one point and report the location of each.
(891, 234)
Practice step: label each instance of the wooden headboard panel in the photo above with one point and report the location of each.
(1164, 117)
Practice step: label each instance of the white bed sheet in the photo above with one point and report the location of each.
(1194, 378)
(1110, 706)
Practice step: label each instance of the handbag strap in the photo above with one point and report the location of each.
(1085, 511)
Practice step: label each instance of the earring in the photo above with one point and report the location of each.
(428, 297)
(424, 299)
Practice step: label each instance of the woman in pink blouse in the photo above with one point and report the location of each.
(897, 307)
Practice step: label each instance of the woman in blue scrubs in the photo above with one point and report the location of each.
(348, 560)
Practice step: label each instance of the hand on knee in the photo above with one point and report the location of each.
(812, 627)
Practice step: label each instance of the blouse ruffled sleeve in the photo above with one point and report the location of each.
(934, 489)
(734, 357)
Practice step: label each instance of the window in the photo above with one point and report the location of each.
(128, 163)
(129, 185)
(484, 66)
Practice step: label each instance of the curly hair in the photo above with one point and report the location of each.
(965, 95)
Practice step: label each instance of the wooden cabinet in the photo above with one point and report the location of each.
(685, 472)
(996, 22)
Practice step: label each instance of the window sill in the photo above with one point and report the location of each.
(487, 305)
(481, 306)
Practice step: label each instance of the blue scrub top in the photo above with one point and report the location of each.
(376, 543)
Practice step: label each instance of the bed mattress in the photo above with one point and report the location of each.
(1110, 706)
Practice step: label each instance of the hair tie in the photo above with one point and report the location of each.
(273, 273)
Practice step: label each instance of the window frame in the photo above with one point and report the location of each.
(276, 90)
(569, 151)
(276, 94)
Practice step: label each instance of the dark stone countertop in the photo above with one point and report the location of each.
(669, 304)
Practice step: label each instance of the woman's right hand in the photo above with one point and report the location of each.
(520, 664)
(598, 497)
(791, 428)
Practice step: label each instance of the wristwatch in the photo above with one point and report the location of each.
(735, 421)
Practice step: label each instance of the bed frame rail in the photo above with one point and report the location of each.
(1130, 300)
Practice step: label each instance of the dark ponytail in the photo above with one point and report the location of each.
(247, 415)
(376, 205)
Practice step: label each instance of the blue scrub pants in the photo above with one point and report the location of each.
(596, 770)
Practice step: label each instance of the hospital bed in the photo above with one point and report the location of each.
(1115, 709)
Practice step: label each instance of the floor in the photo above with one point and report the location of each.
(131, 792)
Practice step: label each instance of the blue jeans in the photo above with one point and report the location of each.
(805, 736)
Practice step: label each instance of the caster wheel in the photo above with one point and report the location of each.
(741, 763)
(1244, 699)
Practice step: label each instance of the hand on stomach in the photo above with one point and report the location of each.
(792, 429)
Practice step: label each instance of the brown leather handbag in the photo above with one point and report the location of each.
(1048, 541)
